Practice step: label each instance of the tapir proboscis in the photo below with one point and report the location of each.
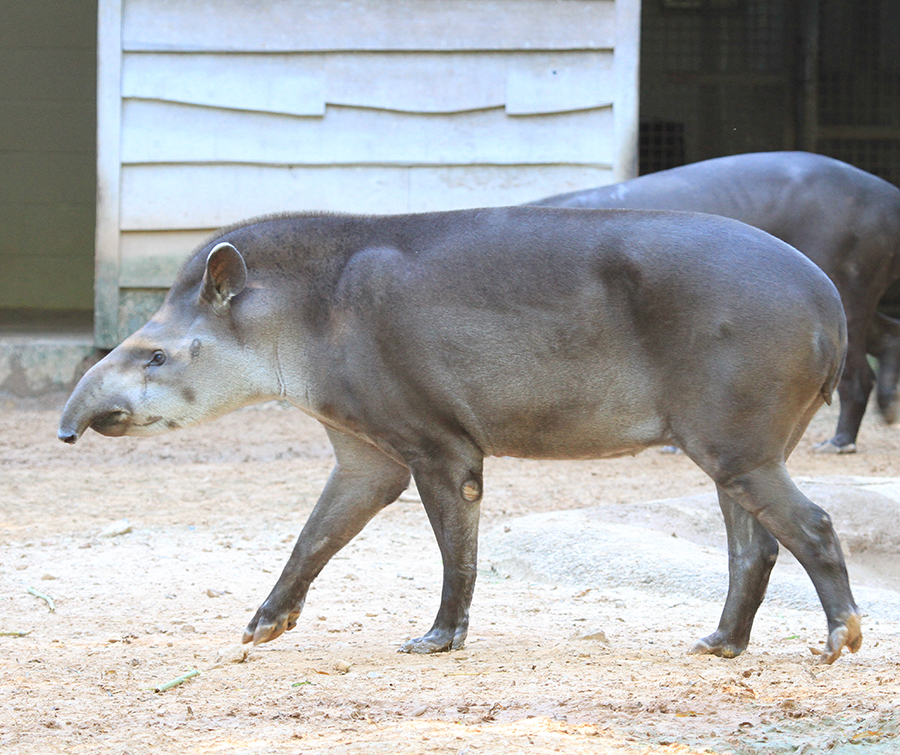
(845, 220)
(425, 343)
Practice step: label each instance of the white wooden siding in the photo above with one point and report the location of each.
(166, 198)
(290, 84)
(415, 25)
(214, 112)
(157, 132)
(303, 83)
(151, 260)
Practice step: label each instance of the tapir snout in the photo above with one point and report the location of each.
(95, 403)
(92, 404)
(112, 423)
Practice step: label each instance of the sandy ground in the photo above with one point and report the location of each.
(588, 598)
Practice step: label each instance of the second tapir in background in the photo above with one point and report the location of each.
(845, 220)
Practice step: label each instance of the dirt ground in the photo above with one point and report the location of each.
(559, 658)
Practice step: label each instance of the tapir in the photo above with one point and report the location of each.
(845, 220)
(425, 343)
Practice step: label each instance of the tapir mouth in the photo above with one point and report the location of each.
(113, 424)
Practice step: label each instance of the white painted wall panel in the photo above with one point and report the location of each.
(408, 82)
(301, 83)
(214, 112)
(625, 74)
(547, 85)
(109, 135)
(170, 197)
(292, 25)
(159, 132)
(457, 188)
(277, 83)
(179, 197)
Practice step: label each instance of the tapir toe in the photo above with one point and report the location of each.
(848, 635)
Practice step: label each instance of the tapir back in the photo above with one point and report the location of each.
(565, 334)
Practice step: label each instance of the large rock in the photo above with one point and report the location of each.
(677, 546)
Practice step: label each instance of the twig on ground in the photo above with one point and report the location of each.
(175, 682)
(50, 604)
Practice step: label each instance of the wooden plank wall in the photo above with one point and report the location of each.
(213, 112)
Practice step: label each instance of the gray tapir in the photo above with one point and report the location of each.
(424, 343)
(845, 220)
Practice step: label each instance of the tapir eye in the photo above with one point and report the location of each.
(158, 358)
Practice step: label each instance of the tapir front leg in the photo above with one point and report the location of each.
(752, 552)
(451, 490)
(363, 482)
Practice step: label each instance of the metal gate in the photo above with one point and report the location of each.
(858, 86)
(721, 77)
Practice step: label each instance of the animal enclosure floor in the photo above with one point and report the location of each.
(555, 662)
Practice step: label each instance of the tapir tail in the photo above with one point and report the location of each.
(837, 364)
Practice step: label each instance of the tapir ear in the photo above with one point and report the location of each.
(225, 277)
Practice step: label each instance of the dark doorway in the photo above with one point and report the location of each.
(48, 72)
(720, 77)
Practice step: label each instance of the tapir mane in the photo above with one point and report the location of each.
(277, 243)
(318, 244)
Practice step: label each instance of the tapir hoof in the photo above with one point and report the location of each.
(847, 636)
(261, 630)
(436, 641)
(712, 645)
(889, 408)
(830, 447)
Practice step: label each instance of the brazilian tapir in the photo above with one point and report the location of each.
(425, 343)
(845, 220)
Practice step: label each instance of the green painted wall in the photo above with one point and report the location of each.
(48, 71)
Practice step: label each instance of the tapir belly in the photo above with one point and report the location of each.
(586, 435)
(551, 385)
(584, 411)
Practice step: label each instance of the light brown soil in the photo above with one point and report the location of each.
(213, 512)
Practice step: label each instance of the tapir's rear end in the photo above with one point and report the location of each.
(425, 343)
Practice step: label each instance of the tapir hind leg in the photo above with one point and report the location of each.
(363, 482)
(451, 487)
(752, 552)
(768, 493)
(854, 388)
(886, 383)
